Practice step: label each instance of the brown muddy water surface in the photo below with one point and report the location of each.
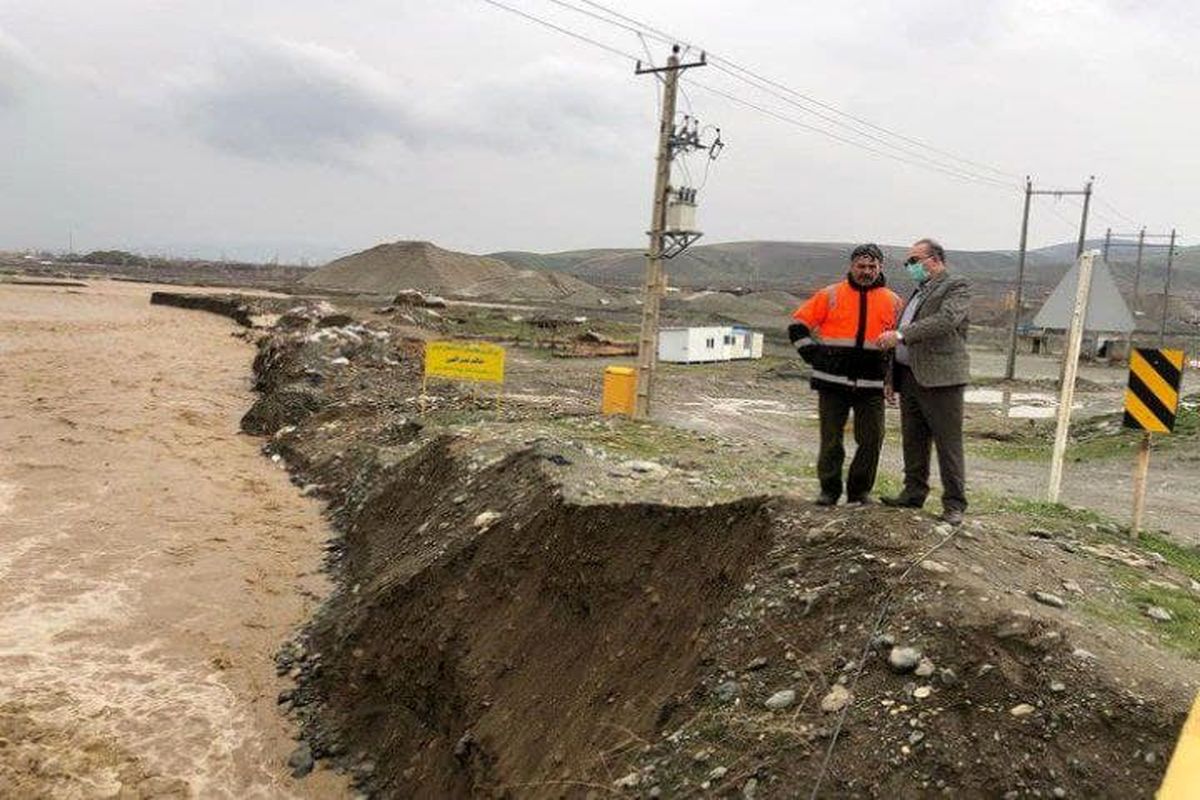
(151, 559)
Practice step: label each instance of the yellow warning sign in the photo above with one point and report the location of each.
(1183, 773)
(1153, 394)
(465, 361)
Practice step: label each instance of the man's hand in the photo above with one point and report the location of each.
(887, 340)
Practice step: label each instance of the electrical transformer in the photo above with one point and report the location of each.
(681, 211)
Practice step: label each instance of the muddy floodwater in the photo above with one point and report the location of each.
(151, 560)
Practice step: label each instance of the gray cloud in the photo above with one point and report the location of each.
(18, 68)
(282, 100)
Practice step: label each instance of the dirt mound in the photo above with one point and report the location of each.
(398, 266)
(466, 639)
(546, 286)
(761, 309)
(389, 268)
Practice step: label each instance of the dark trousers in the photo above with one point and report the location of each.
(932, 416)
(834, 406)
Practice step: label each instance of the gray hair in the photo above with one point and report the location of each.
(935, 249)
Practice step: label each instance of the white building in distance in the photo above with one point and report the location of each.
(707, 344)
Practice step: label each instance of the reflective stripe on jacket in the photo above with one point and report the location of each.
(835, 331)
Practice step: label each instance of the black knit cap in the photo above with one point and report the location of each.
(869, 250)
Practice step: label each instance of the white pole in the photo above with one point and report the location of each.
(1070, 368)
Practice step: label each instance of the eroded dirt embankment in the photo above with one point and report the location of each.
(492, 635)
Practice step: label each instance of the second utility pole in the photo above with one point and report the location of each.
(655, 285)
(1010, 366)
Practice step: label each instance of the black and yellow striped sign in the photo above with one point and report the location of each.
(1153, 394)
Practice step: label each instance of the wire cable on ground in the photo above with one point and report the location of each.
(880, 618)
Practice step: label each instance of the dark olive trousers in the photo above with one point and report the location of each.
(834, 407)
(932, 416)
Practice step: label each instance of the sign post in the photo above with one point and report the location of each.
(478, 362)
(1070, 368)
(1151, 402)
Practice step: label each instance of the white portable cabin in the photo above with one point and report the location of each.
(707, 344)
(747, 343)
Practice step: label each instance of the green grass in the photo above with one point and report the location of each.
(1091, 446)
(1038, 511)
(1184, 558)
(1134, 595)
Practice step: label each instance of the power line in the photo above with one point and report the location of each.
(792, 97)
(924, 163)
(764, 87)
(1117, 211)
(731, 67)
(562, 30)
(837, 137)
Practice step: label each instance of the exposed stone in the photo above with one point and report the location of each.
(837, 699)
(630, 781)
(728, 691)
(924, 668)
(486, 519)
(1047, 599)
(1159, 614)
(1022, 710)
(782, 699)
(301, 760)
(904, 659)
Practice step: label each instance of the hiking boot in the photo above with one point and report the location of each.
(952, 516)
(900, 501)
(861, 500)
(827, 499)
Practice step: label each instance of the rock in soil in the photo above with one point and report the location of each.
(904, 659)
(837, 699)
(301, 761)
(782, 699)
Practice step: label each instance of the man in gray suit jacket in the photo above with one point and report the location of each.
(930, 370)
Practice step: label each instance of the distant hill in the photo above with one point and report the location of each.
(800, 266)
(389, 268)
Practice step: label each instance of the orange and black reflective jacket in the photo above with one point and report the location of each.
(835, 331)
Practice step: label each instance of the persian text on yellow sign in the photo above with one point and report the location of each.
(465, 361)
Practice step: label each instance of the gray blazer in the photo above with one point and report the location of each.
(937, 336)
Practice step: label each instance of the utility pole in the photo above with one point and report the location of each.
(1142, 244)
(1107, 241)
(1137, 272)
(655, 284)
(1010, 366)
(1087, 201)
(1162, 324)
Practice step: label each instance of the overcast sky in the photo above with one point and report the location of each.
(312, 128)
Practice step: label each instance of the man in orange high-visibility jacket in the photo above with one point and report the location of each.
(836, 331)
